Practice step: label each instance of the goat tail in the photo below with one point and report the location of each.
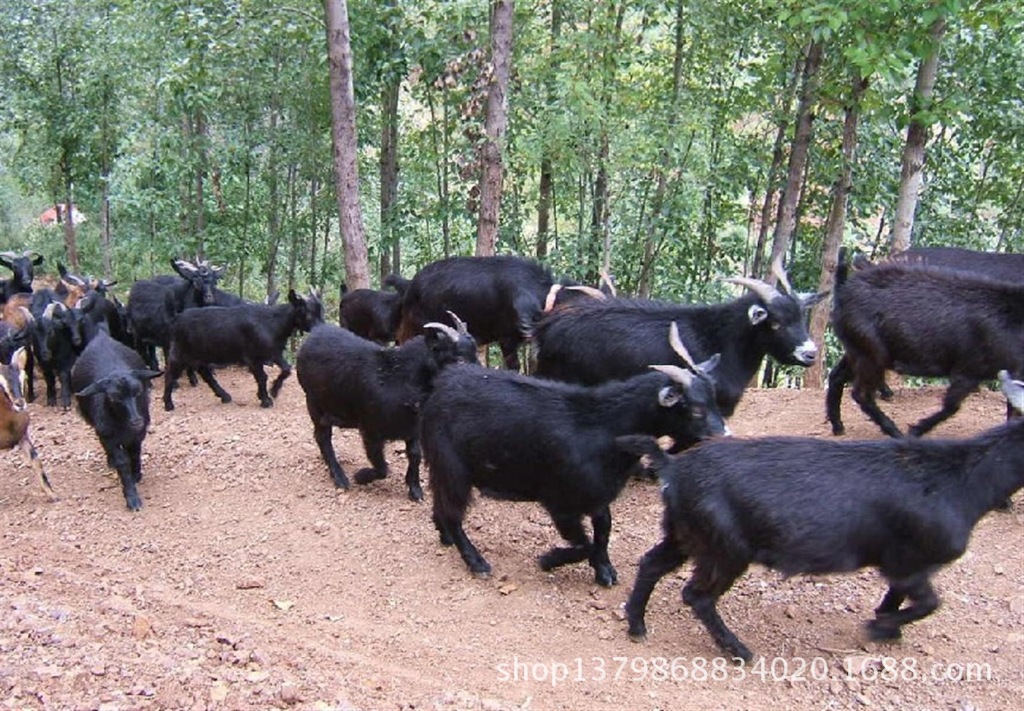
(643, 445)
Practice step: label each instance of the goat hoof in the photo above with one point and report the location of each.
(879, 630)
(606, 576)
(168, 406)
(481, 572)
(365, 476)
(134, 503)
(638, 633)
(739, 652)
(838, 430)
(415, 493)
(340, 482)
(225, 398)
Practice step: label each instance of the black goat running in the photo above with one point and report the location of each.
(804, 505)
(526, 439)
(251, 335)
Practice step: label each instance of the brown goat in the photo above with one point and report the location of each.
(14, 418)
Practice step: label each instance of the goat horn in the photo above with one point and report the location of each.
(608, 280)
(26, 314)
(766, 291)
(780, 274)
(677, 345)
(1012, 389)
(589, 291)
(446, 330)
(549, 302)
(680, 375)
(8, 255)
(459, 324)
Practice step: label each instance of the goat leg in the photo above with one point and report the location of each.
(379, 465)
(121, 462)
(32, 457)
(476, 562)
(207, 375)
(322, 435)
(285, 371)
(959, 388)
(711, 578)
(570, 527)
(261, 384)
(838, 377)
(604, 571)
(924, 601)
(658, 562)
(412, 474)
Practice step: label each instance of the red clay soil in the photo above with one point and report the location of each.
(248, 581)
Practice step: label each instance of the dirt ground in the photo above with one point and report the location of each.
(248, 582)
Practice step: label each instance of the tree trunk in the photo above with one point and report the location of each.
(786, 224)
(911, 173)
(814, 376)
(274, 202)
(389, 243)
(70, 240)
(344, 140)
(547, 182)
(495, 126)
(200, 138)
(757, 268)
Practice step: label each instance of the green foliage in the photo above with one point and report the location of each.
(235, 93)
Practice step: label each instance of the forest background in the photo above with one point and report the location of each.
(670, 143)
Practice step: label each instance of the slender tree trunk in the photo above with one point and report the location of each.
(786, 225)
(495, 126)
(293, 202)
(912, 171)
(546, 188)
(344, 139)
(274, 200)
(814, 376)
(200, 138)
(441, 165)
(70, 239)
(314, 216)
(389, 247)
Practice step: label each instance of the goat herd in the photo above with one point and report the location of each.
(611, 376)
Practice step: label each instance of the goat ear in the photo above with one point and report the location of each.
(756, 313)
(145, 374)
(294, 298)
(669, 396)
(810, 299)
(710, 364)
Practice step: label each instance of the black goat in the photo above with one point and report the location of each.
(500, 299)
(112, 390)
(250, 335)
(352, 382)
(153, 304)
(22, 267)
(594, 341)
(803, 505)
(57, 340)
(885, 315)
(373, 315)
(100, 312)
(14, 415)
(519, 438)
